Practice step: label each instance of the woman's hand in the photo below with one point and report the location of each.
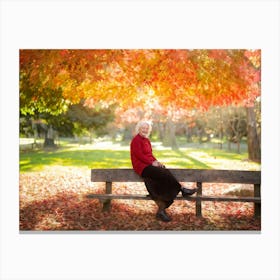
(155, 163)
(158, 164)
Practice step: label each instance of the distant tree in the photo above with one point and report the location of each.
(236, 125)
(95, 120)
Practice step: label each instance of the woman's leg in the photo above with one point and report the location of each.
(161, 214)
(165, 184)
(152, 186)
(162, 187)
(161, 175)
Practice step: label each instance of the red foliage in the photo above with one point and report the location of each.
(214, 77)
(55, 199)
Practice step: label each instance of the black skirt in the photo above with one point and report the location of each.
(160, 183)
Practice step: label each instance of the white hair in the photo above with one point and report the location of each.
(141, 123)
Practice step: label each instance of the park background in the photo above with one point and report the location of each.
(262, 240)
(205, 106)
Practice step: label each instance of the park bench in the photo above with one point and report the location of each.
(199, 176)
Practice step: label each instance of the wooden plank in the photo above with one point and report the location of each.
(119, 196)
(257, 206)
(182, 175)
(191, 198)
(107, 202)
(198, 208)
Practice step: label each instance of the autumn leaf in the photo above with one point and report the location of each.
(56, 199)
(214, 77)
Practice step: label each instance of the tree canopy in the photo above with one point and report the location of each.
(152, 79)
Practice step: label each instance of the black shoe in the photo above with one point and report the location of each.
(161, 215)
(187, 192)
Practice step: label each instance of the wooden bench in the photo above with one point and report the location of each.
(199, 176)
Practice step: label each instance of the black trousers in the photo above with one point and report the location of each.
(161, 184)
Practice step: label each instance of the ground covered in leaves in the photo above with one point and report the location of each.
(56, 199)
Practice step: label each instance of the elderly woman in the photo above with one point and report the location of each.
(162, 186)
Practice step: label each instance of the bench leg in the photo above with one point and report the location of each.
(257, 206)
(198, 202)
(107, 202)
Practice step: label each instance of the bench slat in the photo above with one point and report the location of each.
(182, 175)
(191, 198)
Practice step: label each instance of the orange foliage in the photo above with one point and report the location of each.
(178, 78)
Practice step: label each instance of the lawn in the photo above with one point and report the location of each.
(109, 155)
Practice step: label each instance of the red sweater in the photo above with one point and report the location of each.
(141, 153)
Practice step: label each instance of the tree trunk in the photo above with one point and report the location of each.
(49, 138)
(173, 141)
(91, 130)
(254, 149)
(170, 139)
(229, 144)
(49, 143)
(238, 146)
(221, 139)
(221, 129)
(161, 131)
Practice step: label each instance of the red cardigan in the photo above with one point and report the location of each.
(141, 153)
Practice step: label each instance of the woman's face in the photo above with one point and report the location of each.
(144, 130)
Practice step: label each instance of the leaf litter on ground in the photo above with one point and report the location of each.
(56, 199)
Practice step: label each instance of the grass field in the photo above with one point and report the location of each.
(115, 155)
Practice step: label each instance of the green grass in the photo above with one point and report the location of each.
(37, 160)
(111, 155)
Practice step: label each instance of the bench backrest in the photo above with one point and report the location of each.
(182, 175)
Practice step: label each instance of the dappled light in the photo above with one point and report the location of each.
(114, 155)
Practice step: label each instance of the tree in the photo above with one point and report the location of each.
(236, 125)
(253, 138)
(93, 119)
(185, 79)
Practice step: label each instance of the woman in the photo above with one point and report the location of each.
(162, 186)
